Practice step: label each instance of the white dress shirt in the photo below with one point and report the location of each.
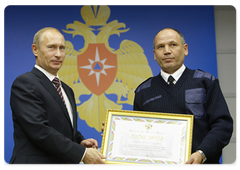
(175, 75)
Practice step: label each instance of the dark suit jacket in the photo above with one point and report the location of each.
(43, 132)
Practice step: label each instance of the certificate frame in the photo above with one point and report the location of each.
(117, 120)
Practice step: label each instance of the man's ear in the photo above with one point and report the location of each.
(35, 50)
(154, 55)
(185, 49)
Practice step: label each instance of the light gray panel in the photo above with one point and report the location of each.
(225, 24)
(227, 73)
(232, 108)
(229, 154)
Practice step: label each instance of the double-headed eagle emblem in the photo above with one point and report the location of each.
(97, 70)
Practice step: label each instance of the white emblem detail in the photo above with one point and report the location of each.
(96, 68)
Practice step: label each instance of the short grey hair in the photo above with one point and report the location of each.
(179, 33)
(38, 36)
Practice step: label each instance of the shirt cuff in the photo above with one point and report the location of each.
(84, 155)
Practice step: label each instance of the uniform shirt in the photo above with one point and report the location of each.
(197, 93)
(176, 75)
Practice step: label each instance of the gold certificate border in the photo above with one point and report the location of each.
(155, 115)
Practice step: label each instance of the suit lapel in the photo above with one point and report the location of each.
(47, 84)
(73, 105)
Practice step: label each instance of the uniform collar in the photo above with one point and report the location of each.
(176, 75)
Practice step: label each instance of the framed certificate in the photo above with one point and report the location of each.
(134, 137)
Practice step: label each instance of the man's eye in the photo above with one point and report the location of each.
(161, 46)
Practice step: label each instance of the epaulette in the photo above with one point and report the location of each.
(202, 74)
(145, 84)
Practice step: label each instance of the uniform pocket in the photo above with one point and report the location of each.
(195, 100)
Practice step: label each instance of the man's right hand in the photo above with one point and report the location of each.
(93, 156)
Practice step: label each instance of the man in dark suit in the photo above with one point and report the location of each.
(44, 113)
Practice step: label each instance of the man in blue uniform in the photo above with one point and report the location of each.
(178, 89)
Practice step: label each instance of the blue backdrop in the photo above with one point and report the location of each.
(21, 23)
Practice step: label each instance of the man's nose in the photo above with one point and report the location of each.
(167, 50)
(58, 52)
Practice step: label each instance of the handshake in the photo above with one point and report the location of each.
(92, 155)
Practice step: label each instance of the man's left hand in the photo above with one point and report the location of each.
(195, 158)
(90, 143)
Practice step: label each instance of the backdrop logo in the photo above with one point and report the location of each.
(97, 68)
(99, 71)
